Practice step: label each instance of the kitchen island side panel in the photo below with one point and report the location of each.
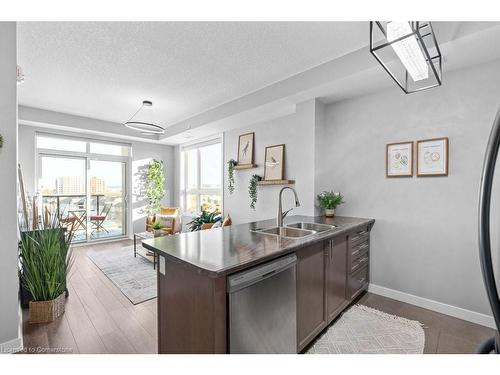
(191, 311)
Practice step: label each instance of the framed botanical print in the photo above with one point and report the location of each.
(245, 148)
(274, 162)
(432, 157)
(399, 159)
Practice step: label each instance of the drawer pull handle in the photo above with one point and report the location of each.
(362, 280)
(359, 263)
(358, 249)
(358, 235)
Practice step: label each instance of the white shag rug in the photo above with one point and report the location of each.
(363, 330)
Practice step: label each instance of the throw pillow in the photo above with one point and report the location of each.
(166, 221)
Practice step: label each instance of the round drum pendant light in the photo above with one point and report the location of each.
(142, 120)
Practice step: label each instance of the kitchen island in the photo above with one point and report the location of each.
(332, 270)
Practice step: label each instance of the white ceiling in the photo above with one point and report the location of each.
(104, 70)
(209, 76)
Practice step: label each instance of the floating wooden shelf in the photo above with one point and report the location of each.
(275, 182)
(245, 166)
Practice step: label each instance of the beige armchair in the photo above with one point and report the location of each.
(173, 213)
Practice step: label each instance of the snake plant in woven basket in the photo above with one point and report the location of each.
(45, 259)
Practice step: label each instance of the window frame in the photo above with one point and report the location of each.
(88, 156)
(199, 191)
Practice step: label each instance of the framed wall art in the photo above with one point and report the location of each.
(274, 162)
(245, 148)
(399, 159)
(432, 157)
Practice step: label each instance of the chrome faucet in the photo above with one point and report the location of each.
(281, 214)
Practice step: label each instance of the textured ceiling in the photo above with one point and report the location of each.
(104, 70)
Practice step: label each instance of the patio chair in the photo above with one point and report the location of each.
(68, 221)
(98, 220)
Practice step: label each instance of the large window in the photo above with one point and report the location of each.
(84, 183)
(201, 177)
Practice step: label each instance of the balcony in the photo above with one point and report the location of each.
(104, 218)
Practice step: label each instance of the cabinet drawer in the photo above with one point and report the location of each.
(358, 263)
(359, 249)
(358, 281)
(360, 235)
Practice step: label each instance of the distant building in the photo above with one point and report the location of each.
(97, 185)
(69, 185)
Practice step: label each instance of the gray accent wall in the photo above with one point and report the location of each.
(424, 241)
(9, 284)
(296, 131)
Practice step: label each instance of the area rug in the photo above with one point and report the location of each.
(363, 330)
(135, 277)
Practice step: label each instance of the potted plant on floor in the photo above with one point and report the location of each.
(44, 263)
(329, 201)
(204, 221)
(154, 187)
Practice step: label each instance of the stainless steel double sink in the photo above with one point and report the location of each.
(296, 230)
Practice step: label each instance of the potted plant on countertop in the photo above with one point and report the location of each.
(204, 221)
(329, 201)
(45, 260)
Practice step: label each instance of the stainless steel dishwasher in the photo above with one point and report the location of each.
(262, 308)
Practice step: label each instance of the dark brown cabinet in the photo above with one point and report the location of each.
(357, 262)
(330, 276)
(311, 312)
(336, 277)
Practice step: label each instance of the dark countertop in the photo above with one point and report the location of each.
(222, 251)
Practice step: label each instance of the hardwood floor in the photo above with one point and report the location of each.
(444, 334)
(100, 319)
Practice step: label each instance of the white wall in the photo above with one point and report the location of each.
(297, 132)
(424, 240)
(9, 282)
(142, 154)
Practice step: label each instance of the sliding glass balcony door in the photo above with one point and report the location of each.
(62, 185)
(107, 199)
(85, 186)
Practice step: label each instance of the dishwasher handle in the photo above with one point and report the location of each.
(249, 277)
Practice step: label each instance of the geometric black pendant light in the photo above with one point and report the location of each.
(409, 53)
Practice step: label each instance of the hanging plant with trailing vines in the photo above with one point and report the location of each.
(155, 186)
(230, 172)
(252, 190)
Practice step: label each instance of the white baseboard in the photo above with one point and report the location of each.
(12, 346)
(443, 308)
